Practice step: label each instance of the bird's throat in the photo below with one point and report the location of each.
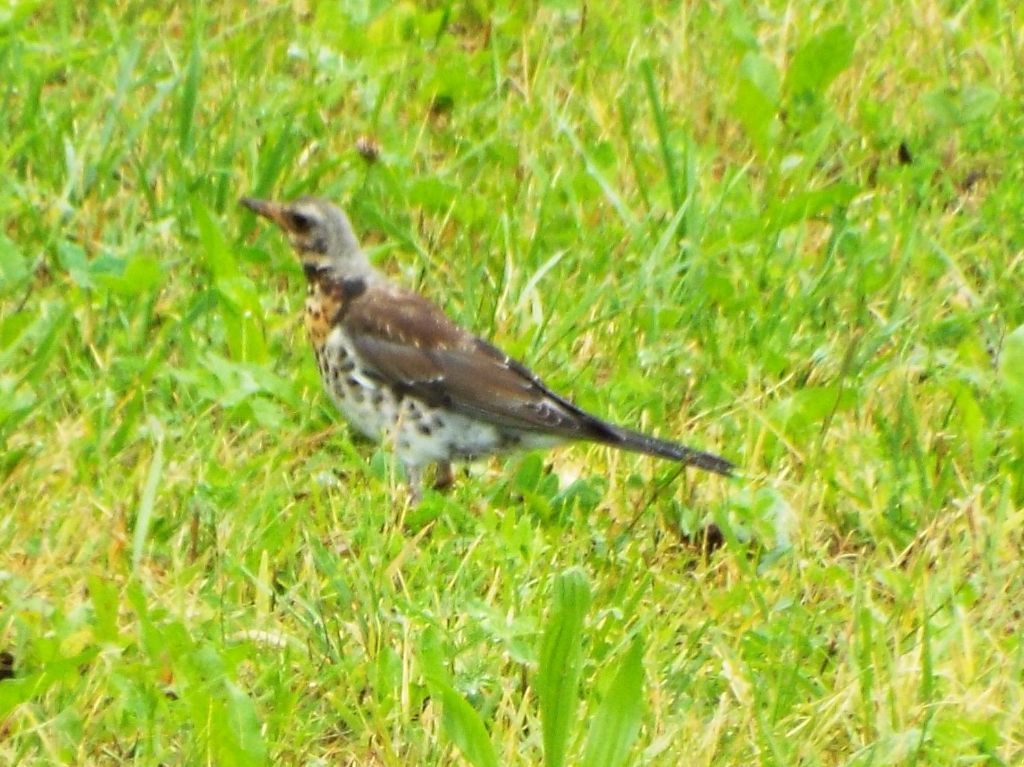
(328, 299)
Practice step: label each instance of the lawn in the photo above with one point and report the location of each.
(791, 233)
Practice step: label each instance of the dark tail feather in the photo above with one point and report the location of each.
(641, 443)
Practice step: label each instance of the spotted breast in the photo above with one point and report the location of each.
(366, 403)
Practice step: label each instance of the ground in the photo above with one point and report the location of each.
(788, 232)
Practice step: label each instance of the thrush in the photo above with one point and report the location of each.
(401, 371)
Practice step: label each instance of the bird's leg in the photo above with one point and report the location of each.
(444, 477)
(414, 478)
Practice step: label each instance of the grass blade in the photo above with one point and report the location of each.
(219, 259)
(561, 660)
(145, 512)
(594, 170)
(615, 727)
(461, 722)
(675, 184)
(189, 97)
(464, 726)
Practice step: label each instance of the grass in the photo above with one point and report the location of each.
(787, 232)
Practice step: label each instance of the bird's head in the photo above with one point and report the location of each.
(319, 232)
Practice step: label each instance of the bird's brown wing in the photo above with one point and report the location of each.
(412, 346)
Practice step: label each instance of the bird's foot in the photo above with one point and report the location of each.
(414, 483)
(444, 477)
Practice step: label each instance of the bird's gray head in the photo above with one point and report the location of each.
(320, 233)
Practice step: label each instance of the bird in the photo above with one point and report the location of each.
(402, 372)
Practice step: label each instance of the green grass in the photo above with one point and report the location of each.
(792, 233)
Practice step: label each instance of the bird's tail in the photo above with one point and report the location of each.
(641, 443)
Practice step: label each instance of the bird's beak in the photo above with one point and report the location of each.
(265, 208)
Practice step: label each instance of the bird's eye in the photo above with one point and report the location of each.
(300, 222)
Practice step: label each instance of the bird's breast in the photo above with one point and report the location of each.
(326, 303)
(320, 313)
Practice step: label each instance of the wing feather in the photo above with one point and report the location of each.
(413, 346)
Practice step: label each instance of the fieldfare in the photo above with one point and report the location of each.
(400, 370)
